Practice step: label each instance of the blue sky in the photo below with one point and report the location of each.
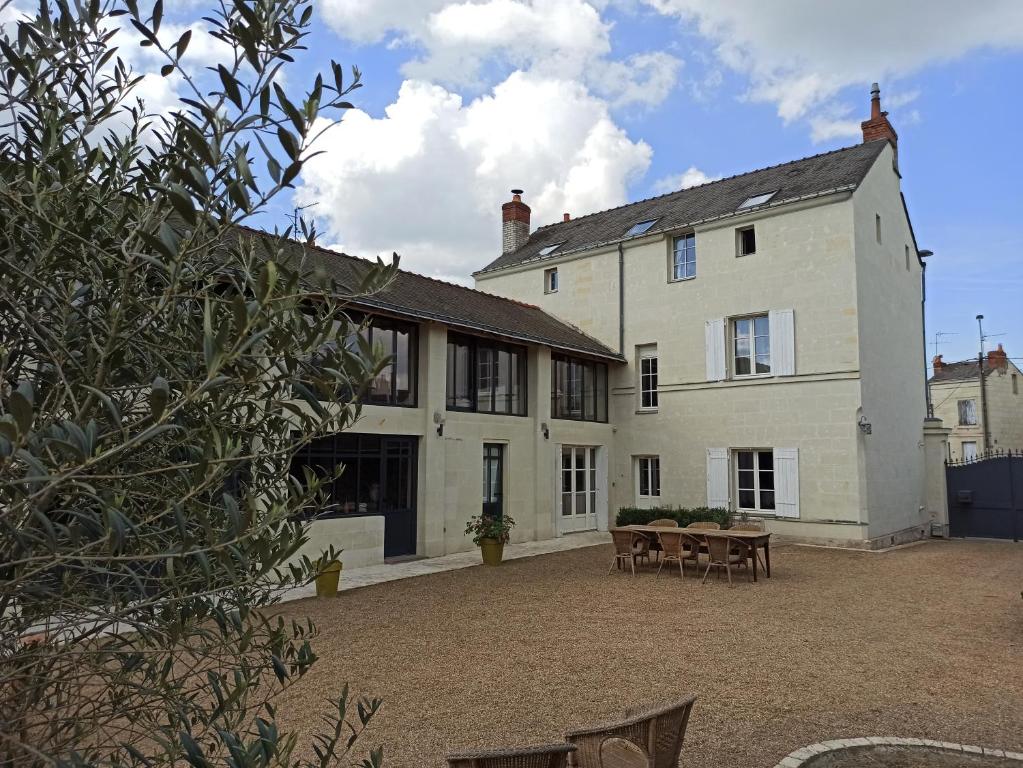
(587, 105)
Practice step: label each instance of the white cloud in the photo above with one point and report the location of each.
(799, 54)
(690, 177)
(427, 179)
(475, 43)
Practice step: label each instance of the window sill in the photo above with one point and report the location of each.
(640, 411)
(681, 279)
(748, 376)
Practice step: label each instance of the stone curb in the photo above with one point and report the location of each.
(804, 754)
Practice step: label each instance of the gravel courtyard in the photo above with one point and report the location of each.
(924, 641)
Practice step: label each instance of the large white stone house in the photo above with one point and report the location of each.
(753, 343)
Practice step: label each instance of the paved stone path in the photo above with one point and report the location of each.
(377, 574)
(893, 752)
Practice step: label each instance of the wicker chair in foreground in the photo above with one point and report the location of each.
(726, 551)
(664, 522)
(548, 756)
(629, 545)
(650, 739)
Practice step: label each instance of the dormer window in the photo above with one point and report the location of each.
(640, 228)
(547, 250)
(755, 200)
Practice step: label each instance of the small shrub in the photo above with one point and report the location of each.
(684, 515)
(488, 527)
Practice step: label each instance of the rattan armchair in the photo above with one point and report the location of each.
(652, 738)
(629, 545)
(752, 526)
(673, 543)
(664, 522)
(548, 756)
(706, 525)
(724, 552)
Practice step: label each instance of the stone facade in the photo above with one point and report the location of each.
(845, 265)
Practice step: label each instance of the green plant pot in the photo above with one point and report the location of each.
(492, 551)
(328, 579)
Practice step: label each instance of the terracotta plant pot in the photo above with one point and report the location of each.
(328, 579)
(492, 551)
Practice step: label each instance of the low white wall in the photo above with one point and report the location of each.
(360, 538)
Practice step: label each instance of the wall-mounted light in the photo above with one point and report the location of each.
(545, 430)
(865, 426)
(438, 419)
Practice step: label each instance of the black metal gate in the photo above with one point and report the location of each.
(985, 496)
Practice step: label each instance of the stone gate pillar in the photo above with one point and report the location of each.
(935, 488)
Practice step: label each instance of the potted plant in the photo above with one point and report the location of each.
(490, 534)
(328, 578)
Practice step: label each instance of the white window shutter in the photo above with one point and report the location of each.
(783, 342)
(715, 340)
(717, 478)
(786, 482)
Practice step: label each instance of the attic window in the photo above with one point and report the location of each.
(753, 202)
(640, 228)
(549, 249)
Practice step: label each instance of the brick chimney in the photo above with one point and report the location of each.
(514, 223)
(997, 359)
(878, 127)
(937, 363)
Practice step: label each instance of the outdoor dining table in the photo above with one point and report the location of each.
(756, 539)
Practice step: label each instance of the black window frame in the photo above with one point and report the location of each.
(395, 326)
(567, 370)
(740, 241)
(494, 347)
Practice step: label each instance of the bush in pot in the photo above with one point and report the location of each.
(490, 534)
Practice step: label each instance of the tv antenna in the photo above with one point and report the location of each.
(938, 335)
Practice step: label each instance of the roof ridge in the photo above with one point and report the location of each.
(708, 183)
(365, 260)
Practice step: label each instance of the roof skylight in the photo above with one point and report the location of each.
(753, 202)
(548, 249)
(640, 228)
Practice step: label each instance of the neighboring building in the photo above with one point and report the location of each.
(772, 328)
(959, 402)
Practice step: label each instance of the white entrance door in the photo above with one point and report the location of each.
(577, 507)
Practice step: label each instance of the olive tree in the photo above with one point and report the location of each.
(159, 367)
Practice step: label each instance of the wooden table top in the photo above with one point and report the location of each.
(695, 531)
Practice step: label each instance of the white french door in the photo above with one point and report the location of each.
(577, 505)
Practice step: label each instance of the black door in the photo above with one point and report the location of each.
(493, 479)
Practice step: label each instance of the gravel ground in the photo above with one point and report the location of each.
(925, 641)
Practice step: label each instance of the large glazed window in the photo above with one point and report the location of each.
(578, 389)
(396, 383)
(485, 376)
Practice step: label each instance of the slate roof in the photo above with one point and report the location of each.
(840, 170)
(419, 297)
(962, 371)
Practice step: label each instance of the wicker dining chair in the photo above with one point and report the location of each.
(650, 739)
(673, 544)
(547, 756)
(706, 525)
(664, 522)
(628, 546)
(726, 551)
(752, 526)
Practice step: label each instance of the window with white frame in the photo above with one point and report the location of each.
(683, 257)
(550, 280)
(751, 346)
(647, 377)
(968, 413)
(754, 480)
(648, 469)
(969, 450)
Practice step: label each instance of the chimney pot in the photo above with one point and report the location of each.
(514, 223)
(566, 217)
(937, 363)
(997, 358)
